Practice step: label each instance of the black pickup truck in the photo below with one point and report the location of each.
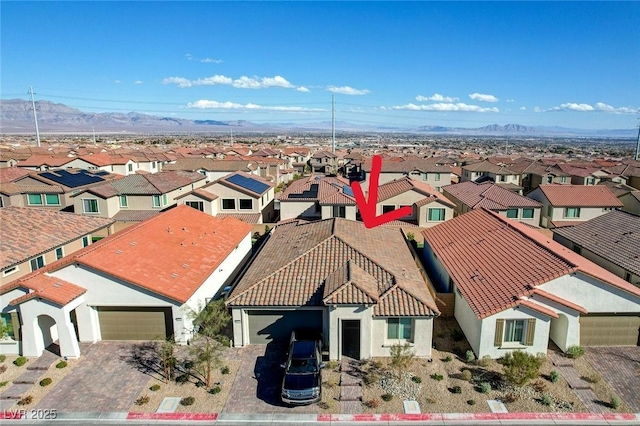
(302, 382)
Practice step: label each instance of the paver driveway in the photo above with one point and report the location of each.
(104, 380)
(620, 367)
(256, 388)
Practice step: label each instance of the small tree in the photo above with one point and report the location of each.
(206, 353)
(520, 367)
(165, 350)
(401, 356)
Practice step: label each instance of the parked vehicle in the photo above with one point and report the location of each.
(302, 382)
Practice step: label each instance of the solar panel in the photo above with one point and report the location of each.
(348, 191)
(312, 192)
(252, 185)
(72, 180)
(101, 173)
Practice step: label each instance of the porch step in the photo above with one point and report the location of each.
(560, 360)
(573, 378)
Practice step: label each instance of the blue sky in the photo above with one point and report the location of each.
(464, 64)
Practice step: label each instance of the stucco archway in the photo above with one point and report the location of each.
(48, 331)
(559, 331)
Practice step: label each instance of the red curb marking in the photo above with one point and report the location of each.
(474, 416)
(620, 416)
(324, 417)
(172, 416)
(577, 416)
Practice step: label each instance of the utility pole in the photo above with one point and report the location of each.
(35, 117)
(94, 135)
(637, 158)
(333, 124)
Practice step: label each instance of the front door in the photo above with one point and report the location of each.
(351, 338)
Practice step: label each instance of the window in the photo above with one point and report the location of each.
(514, 331)
(164, 199)
(37, 263)
(435, 215)
(10, 271)
(627, 276)
(437, 176)
(34, 199)
(399, 328)
(123, 201)
(59, 253)
(512, 213)
(503, 178)
(425, 176)
(577, 249)
(155, 164)
(262, 201)
(527, 213)
(52, 199)
(85, 241)
(550, 210)
(572, 212)
(563, 179)
(156, 201)
(246, 204)
(198, 205)
(549, 179)
(591, 181)
(6, 321)
(130, 167)
(228, 204)
(90, 206)
(339, 211)
(386, 209)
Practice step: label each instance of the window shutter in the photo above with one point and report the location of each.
(497, 341)
(15, 323)
(531, 330)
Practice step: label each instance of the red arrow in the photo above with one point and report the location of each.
(368, 207)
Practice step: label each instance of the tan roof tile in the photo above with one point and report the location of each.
(580, 196)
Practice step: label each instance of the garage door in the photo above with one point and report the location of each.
(126, 323)
(267, 326)
(609, 330)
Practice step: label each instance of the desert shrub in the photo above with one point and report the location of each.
(182, 378)
(188, 365)
(155, 387)
(546, 399)
(511, 397)
(455, 389)
(457, 335)
(471, 402)
(447, 358)
(485, 387)
(430, 400)
(20, 361)
(539, 386)
(593, 378)
(437, 377)
(484, 361)
(3, 384)
(46, 381)
(387, 397)
(332, 365)
(575, 351)
(416, 379)
(376, 365)
(401, 356)
(466, 375)
(26, 400)
(3, 368)
(61, 364)
(520, 367)
(469, 356)
(224, 370)
(615, 402)
(144, 399)
(189, 400)
(214, 390)
(411, 236)
(324, 405)
(3, 357)
(372, 403)
(370, 379)
(554, 376)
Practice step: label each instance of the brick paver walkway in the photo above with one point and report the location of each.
(105, 379)
(620, 367)
(350, 387)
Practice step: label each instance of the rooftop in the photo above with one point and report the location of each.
(579, 196)
(488, 195)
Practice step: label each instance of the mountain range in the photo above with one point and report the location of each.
(16, 117)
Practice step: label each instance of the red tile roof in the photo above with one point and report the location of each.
(488, 195)
(580, 196)
(45, 287)
(329, 190)
(251, 218)
(11, 174)
(495, 261)
(405, 184)
(49, 160)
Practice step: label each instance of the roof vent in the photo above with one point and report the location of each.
(118, 251)
(185, 265)
(184, 229)
(174, 275)
(57, 285)
(133, 243)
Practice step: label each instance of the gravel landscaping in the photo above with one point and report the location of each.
(330, 403)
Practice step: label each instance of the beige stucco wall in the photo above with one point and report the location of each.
(535, 221)
(293, 209)
(423, 214)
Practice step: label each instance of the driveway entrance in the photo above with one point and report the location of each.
(620, 367)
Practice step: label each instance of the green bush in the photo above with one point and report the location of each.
(615, 402)
(471, 402)
(144, 399)
(20, 361)
(546, 399)
(224, 370)
(182, 378)
(214, 390)
(26, 400)
(520, 367)
(61, 364)
(387, 397)
(46, 381)
(3, 357)
(447, 358)
(575, 351)
(469, 356)
(188, 365)
(437, 377)
(554, 376)
(416, 379)
(3, 384)
(466, 375)
(485, 387)
(455, 389)
(189, 400)
(155, 387)
(411, 236)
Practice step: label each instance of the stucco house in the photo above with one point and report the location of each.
(427, 170)
(138, 284)
(566, 205)
(317, 197)
(360, 287)
(488, 171)
(516, 288)
(471, 195)
(211, 168)
(324, 162)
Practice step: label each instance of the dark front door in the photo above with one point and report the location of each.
(351, 338)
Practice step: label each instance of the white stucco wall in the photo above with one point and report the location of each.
(339, 313)
(422, 330)
(292, 209)
(423, 214)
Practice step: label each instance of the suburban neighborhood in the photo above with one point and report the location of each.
(204, 266)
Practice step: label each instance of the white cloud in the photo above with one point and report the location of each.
(137, 82)
(209, 104)
(346, 90)
(437, 97)
(537, 109)
(483, 97)
(523, 108)
(190, 57)
(303, 89)
(511, 100)
(599, 106)
(445, 107)
(117, 81)
(243, 82)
